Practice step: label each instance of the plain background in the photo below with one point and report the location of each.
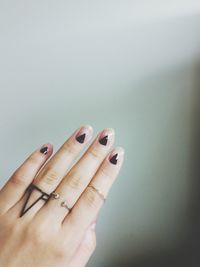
(130, 65)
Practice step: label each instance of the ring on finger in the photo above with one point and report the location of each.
(55, 195)
(64, 204)
(98, 192)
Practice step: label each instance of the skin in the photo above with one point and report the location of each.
(48, 234)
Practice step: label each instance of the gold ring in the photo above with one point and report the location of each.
(98, 192)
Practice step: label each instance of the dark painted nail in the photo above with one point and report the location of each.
(104, 140)
(81, 138)
(44, 150)
(114, 159)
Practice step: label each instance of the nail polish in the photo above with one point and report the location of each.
(104, 140)
(84, 134)
(44, 150)
(106, 136)
(114, 159)
(81, 138)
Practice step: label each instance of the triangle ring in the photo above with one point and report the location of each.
(44, 196)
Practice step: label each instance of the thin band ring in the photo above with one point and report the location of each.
(98, 192)
(55, 195)
(44, 196)
(64, 204)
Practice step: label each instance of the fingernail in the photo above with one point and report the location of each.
(105, 136)
(44, 149)
(84, 134)
(116, 155)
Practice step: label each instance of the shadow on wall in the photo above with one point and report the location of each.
(187, 252)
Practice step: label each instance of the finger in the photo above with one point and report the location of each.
(79, 176)
(90, 202)
(58, 166)
(86, 248)
(14, 189)
(54, 171)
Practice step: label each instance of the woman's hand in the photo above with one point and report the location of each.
(59, 229)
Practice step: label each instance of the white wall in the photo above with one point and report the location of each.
(131, 65)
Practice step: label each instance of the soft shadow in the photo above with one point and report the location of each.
(187, 252)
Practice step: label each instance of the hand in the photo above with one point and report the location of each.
(59, 229)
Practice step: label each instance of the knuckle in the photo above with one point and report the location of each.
(18, 179)
(95, 153)
(69, 147)
(33, 160)
(51, 176)
(92, 199)
(75, 181)
(105, 173)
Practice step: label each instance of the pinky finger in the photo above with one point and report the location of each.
(86, 248)
(14, 189)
